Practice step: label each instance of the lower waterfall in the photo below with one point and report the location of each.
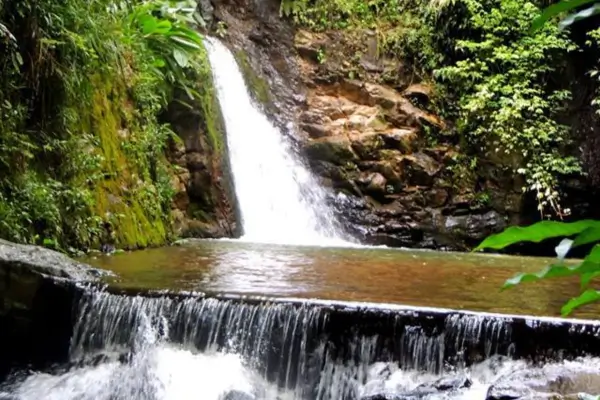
(169, 348)
(279, 200)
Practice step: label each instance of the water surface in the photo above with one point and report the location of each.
(419, 278)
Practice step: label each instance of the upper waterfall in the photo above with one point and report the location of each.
(279, 200)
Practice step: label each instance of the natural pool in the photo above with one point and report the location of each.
(419, 278)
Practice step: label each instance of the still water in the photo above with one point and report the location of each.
(419, 278)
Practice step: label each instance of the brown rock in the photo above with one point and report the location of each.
(383, 96)
(196, 161)
(420, 169)
(436, 197)
(418, 90)
(315, 131)
(404, 140)
(334, 149)
(367, 146)
(377, 184)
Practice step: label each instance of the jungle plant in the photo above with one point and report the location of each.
(574, 234)
(82, 84)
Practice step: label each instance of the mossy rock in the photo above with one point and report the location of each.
(336, 150)
(126, 198)
(259, 87)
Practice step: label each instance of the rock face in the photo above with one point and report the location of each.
(366, 127)
(36, 297)
(204, 201)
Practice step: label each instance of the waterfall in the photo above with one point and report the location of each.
(280, 201)
(179, 347)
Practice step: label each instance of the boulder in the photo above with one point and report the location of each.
(37, 291)
(434, 389)
(336, 150)
(404, 140)
(373, 183)
(420, 169)
(20, 260)
(368, 146)
(474, 227)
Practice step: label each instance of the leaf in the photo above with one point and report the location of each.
(572, 18)
(551, 271)
(536, 233)
(589, 235)
(556, 9)
(588, 269)
(181, 58)
(163, 27)
(186, 33)
(149, 25)
(158, 62)
(587, 297)
(185, 42)
(587, 278)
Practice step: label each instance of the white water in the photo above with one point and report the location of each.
(279, 200)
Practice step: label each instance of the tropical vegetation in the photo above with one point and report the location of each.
(83, 84)
(575, 234)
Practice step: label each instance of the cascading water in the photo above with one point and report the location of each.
(164, 348)
(279, 200)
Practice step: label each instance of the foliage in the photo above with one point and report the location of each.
(340, 14)
(564, 6)
(582, 233)
(505, 103)
(575, 234)
(81, 86)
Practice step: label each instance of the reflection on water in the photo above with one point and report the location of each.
(422, 278)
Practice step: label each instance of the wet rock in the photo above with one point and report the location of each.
(315, 131)
(206, 11)
(437, 197)
(20, 259)
(452, 383)
(36, 300)
(511, 392)
(336, 150)
(420, 169)
(426, 390)
(476, 227)
(552, 381)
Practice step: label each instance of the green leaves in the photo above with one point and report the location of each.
(169, 30)
(587, 297)
(556, 9)
(506, 110)
(584, 232)
(588, 230)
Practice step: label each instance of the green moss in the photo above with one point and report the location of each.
(209, 103)
(257, 85)
(122, 198)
